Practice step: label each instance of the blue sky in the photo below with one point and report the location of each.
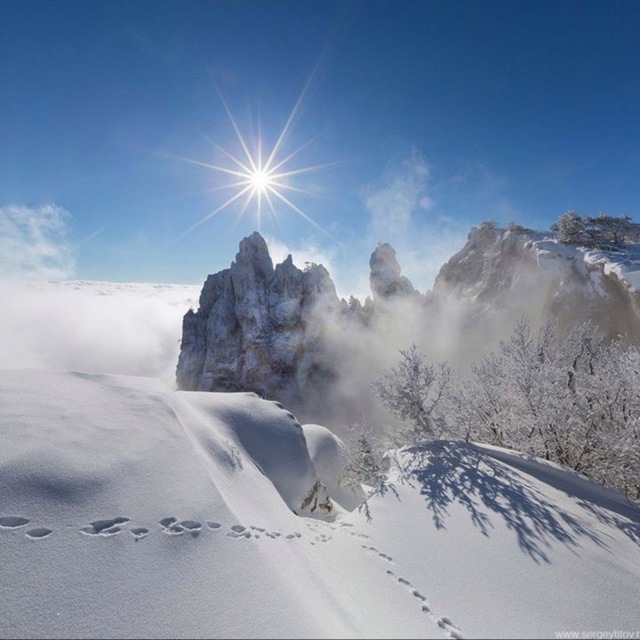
(445, 114)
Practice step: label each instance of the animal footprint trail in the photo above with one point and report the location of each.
(171, 526)
(239, 531)
(139, 533)
(374, 551)
(446, 625)
(443, 622)
(105, 528)
(323, 537)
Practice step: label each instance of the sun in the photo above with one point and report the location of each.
(259, 179)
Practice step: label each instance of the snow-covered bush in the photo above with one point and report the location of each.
(365, 455)
(601, 232)
(571, 397)
(413, 392)
(567, 395)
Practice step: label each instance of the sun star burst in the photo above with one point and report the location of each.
(261, 180)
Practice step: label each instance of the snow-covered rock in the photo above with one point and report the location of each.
(256, 328)
(330, 457)
(529, 274)
(386, 277)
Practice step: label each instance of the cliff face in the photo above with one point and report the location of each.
(528, 274)
(254, 329)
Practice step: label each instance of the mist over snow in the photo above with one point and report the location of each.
(100, 327)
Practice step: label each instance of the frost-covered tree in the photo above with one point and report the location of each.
(413, 392)
(365, 457)
(569, 228)
(603, 231)
(568, 396)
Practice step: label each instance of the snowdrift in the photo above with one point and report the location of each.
(131, 510)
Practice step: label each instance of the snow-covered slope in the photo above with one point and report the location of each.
(130, 510)
(511, 546)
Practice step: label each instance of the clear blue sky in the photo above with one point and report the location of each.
(449, 113)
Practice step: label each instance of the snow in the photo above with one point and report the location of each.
(330, 458)
(623, 263)
(128, 509)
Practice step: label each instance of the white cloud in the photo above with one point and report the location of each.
(33, 242)
(353, 280)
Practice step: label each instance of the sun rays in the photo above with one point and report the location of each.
(258, 179)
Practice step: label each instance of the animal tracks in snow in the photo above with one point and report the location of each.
(10, 523)
(374, 551)
(104, 528)
(170, 526)
(446, 625)
(38, 533)
(443, 623)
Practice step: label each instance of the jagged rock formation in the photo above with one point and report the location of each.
(255, 328)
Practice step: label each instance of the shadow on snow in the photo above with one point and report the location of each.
(490, 483)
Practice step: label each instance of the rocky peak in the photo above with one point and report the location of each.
(253, 257)
(386, 277)
(252, 331)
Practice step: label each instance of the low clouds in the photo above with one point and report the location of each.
(101, 327)
(301, 255)
(88, 326)
(34, 243)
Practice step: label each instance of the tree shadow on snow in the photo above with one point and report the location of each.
(451, 473)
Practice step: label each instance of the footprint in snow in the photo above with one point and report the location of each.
(239, 531)
(172, 527)
(13, 522)
(108, 527)
(213, 525)
(139, 533)
(373, 550)
(291, 536)
(38, 533)
(446, 625)
(191, 526)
